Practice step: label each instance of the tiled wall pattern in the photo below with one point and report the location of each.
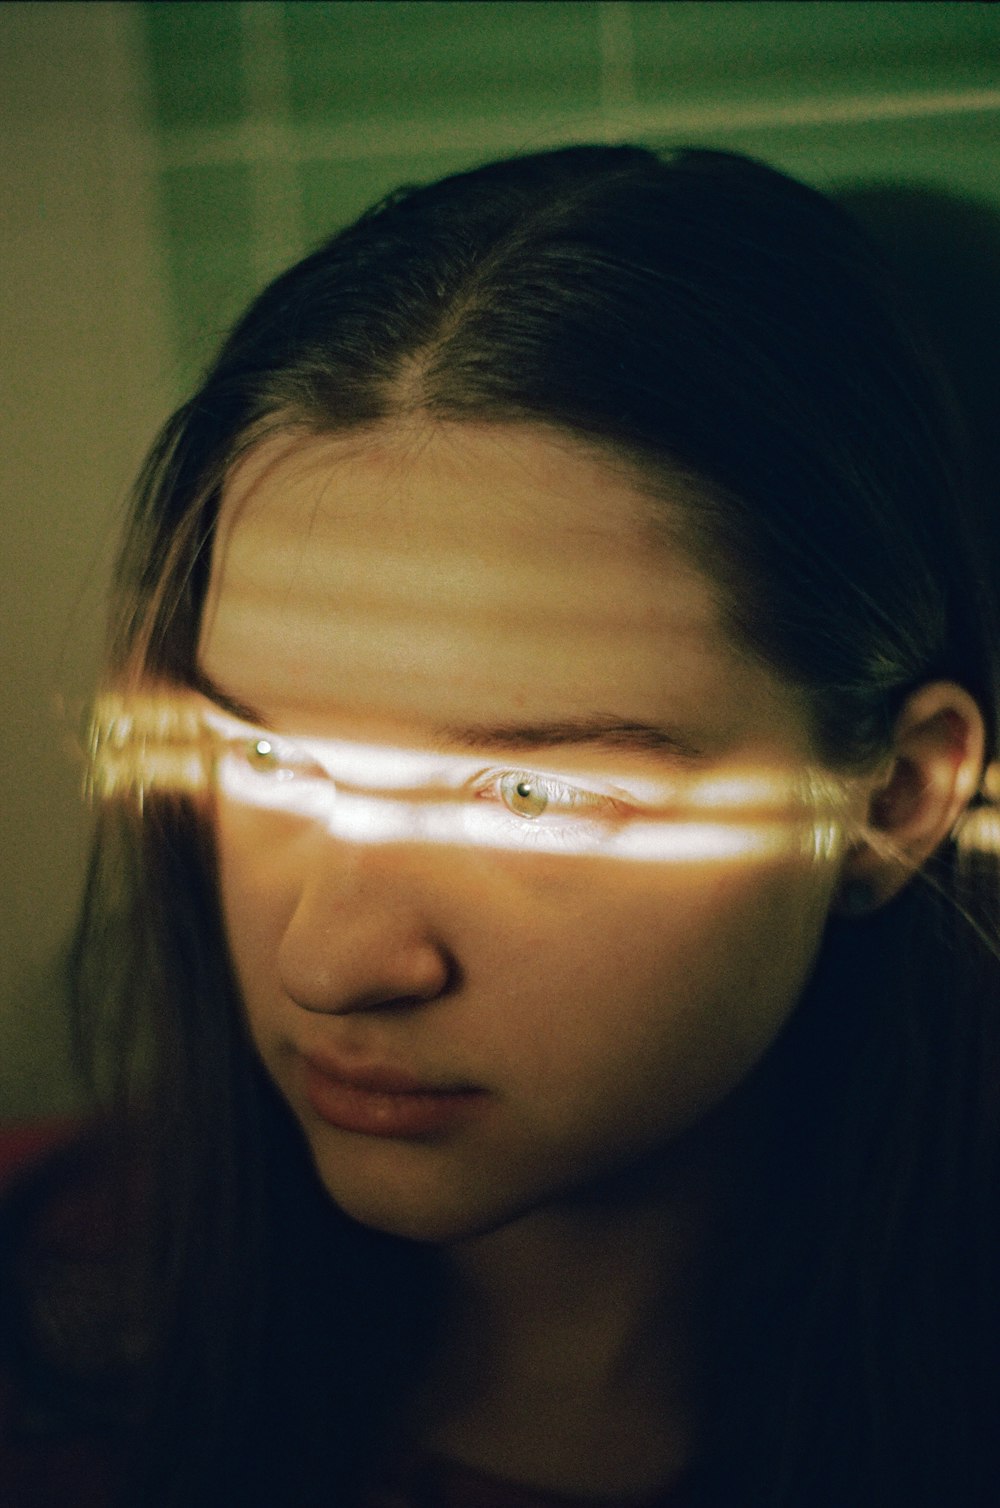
(277, 122)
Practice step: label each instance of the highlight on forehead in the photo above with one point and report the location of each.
(272, 562)
(284, 495)
(457, 580)
(662, 490)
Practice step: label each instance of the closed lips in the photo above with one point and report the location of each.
(380, 1080)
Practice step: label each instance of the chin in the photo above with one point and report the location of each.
(428, 1224)
(425, 1209)
(408, 1207)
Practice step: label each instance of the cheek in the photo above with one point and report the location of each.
(258, 890)
(605, 1010)
(607, 1005)
(656, 998)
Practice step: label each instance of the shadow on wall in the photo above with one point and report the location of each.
(946, 250)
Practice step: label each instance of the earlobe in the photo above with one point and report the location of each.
(910, 808)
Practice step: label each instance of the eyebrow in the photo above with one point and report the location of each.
(600, 730)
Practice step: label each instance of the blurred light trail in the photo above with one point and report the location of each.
(178, 743)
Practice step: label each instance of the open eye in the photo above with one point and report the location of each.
(261, 755)
(267, 755)
(264, 770)
(531, 796)
(524, 795)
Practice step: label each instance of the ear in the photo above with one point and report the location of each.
(911, 806)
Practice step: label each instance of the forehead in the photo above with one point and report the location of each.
(453, 574)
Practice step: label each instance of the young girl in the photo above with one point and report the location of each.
(539, 958)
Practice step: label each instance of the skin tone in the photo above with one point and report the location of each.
(446, 593)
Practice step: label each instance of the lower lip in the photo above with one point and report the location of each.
(371, 1112)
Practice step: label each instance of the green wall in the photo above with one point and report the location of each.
(275, 123)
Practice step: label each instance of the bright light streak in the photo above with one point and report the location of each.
(148, 742)
(465, 822)
(362, 792)
(980, 830)
(991, 782)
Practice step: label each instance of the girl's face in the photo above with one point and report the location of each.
(531, 863)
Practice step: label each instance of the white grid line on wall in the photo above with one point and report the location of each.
(617, 60)
(269, 140)
(277, 230)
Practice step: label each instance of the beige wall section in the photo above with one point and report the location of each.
(84, 378)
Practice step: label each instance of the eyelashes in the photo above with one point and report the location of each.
(376, 793)
(382, 793)
(268, 771)
(532, 798)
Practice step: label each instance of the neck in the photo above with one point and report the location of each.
(567, 1358)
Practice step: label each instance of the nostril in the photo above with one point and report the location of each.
(349, 978)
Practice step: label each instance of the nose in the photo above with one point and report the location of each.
(360, 937)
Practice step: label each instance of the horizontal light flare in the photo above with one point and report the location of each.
(980, 831)
(371, 820)
(347, 761)
(121, 718)
(364, 792)
(991, 782)
(389, 767)
(134, 725)
(180, 770)
(144, 742)
(461, 820)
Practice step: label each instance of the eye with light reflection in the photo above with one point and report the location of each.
(523, 796)
(268, 771)
(261, 756)
(377, 793)
(531, 798)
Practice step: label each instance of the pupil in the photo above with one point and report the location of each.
(522, 796)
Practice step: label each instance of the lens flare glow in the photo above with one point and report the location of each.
(979, 831)
(362, 792)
